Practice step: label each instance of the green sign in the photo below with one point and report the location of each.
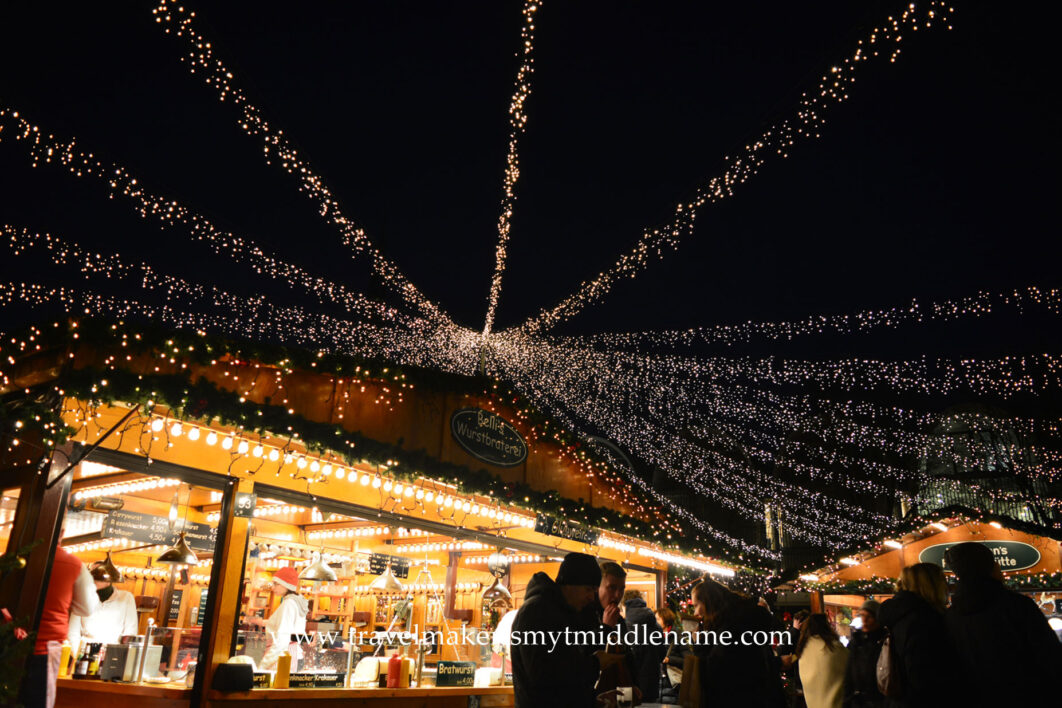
(1011, 555)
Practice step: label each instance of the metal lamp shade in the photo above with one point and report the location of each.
(497, 595)
(106, 571)
(387, 581)
(180, 554)
(319, 572)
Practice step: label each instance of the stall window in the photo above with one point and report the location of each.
(332, 596)
(150, 547)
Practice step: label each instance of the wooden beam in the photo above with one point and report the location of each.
(228, 562)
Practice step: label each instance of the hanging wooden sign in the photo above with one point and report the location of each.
(488, 437)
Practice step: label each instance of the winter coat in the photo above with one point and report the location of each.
(738, 676)
(861, 676)
(925, 656)
(646, 658)
(822, 673)
(563, 677)
(1005, 646)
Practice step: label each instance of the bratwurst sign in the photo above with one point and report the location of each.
(488, 437)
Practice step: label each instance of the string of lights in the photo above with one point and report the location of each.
(979, 305)
(48, 149)
(278, 151)
(776, 141)
(517, 125)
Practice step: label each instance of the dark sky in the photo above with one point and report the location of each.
(937, 179)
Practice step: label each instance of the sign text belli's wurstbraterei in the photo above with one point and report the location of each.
(488, 437)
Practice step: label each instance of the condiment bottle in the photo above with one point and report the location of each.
(283, 671)
(82, 666)
(407, 663)
(394, 670)
(64, 659)
(94, 661)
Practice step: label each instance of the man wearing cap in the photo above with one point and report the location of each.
(1005, 646)
(861, 678)
(289, 618)
(549, 668)
(114, 618)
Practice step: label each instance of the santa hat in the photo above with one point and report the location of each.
(286, 577)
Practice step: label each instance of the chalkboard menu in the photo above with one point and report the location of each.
(202, 608)
(175, 604)
(378, 564)
(552, 526)
(146, 528)
(456, 673)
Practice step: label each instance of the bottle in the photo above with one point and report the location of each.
(283, 671)
(394, 670)
(64, 659)
(403, 674)
(94, 660)
(82, 666)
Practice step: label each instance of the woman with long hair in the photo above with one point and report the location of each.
(822, 660)
(735, 674)
(920, 646)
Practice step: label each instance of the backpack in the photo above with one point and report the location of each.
(889, 668)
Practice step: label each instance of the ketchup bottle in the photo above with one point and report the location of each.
(394, 671)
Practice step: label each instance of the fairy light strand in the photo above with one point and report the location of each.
(517, 126)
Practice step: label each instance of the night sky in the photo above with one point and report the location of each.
(938, 178)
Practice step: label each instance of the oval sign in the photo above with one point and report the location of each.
(1011, 555)
(488, 437)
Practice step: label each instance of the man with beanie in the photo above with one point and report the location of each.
(1005, 647)
(861, 675)
(557, 673)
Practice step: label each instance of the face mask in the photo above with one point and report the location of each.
(105, 593)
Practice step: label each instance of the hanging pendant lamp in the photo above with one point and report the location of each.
(319, 571)
(387, 581)
(105, 571)
(178, 554)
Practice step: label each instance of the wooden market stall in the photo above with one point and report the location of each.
(402, 501)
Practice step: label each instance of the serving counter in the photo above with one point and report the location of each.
(434, 696)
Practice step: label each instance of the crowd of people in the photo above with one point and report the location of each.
(989, 647)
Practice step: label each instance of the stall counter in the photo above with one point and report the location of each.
(74, 693)
(431, 696)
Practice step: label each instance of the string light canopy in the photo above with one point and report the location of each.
(807, 443)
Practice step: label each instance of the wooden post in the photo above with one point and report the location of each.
(450, 595)
(228, 562)
(39, 517)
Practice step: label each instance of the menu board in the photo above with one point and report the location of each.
(202, 608)
(146, 528)
(399, 566)
(175, 604)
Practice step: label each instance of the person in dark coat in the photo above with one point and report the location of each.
(864, 648)
(646, 656)
(560, 674)
(1003, 640)
(733, 674)
(914, 617)
(675, 652)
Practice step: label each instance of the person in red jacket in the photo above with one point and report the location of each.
(70, 589)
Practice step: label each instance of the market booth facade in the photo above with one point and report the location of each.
(307, 522)
(1031, 564)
